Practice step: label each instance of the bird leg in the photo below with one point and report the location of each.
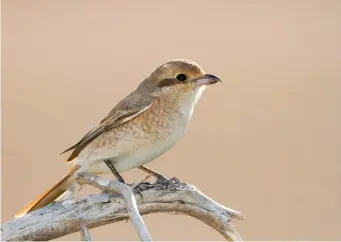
(153, 173)
(119, 177)
(158, 176)
(114, 171)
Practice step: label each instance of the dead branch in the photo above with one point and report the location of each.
(171, 196)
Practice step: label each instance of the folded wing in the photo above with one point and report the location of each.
(130, 107)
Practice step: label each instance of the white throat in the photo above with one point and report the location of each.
(189, 101)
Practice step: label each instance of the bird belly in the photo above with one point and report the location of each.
(132, 152)
(147, 153)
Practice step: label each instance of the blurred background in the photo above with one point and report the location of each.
(265, 141)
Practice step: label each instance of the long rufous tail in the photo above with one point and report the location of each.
(50, 195)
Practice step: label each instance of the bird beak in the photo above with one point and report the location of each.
(206, 79)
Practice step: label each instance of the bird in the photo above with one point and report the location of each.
(142, 126)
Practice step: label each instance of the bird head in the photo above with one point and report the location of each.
(177, 77)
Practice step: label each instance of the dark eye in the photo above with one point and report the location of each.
(181, 77)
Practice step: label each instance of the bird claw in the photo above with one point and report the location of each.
(141, 186)
(162, 179)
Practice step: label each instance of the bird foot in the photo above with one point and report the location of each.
(161, 179)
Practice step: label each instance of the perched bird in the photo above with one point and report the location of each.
(142, 126)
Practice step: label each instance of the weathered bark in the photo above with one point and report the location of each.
(171, 196)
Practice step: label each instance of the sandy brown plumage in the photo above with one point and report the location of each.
(125, 110)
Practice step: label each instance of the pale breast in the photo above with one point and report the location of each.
(148, 149)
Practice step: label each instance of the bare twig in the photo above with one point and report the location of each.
(85, 233)
(63, 218)
(125, 191)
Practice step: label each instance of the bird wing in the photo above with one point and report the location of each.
(130, 107)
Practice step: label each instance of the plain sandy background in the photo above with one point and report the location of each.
(265, 142)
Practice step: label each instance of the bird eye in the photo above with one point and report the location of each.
(181, 77)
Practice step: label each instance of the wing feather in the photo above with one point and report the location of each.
(130, 107)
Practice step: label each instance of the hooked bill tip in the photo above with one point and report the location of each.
(207, 79)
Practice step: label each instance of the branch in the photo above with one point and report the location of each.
(125, 191)
(172, 196)
(85, 233)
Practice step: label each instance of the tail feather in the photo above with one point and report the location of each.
(50, 195)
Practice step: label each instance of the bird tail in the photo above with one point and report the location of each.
(50, 195)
